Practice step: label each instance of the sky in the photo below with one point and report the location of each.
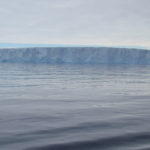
(82, 22)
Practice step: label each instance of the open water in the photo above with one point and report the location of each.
(74, 107)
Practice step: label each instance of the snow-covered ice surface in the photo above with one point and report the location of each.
(75, 55)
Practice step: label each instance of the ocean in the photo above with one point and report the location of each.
(74, 107)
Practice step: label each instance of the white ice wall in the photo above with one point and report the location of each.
(75, 55)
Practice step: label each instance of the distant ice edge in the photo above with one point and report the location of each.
(75, 55)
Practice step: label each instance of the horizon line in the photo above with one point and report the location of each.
(33, 45)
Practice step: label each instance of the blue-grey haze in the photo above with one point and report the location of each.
(83, 22)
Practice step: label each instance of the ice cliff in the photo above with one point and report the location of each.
(75, 55)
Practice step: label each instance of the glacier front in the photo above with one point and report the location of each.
(75, 55)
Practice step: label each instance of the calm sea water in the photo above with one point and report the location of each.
(74, 107)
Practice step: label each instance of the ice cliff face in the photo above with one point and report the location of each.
(83, 55)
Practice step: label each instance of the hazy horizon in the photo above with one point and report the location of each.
(82, 22)
(28, 45)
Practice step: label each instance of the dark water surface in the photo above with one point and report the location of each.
(74, 107)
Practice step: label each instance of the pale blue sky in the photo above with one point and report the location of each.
(87, 22)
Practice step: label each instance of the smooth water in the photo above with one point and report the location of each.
(74, 107)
